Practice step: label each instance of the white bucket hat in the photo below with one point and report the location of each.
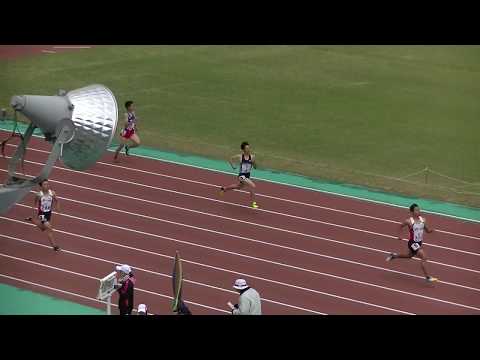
(124, 268)
(240, 284)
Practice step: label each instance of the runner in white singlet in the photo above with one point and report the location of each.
(247, 162)
(44, 203)
(416, 226)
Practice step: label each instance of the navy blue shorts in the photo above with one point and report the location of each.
(243, 176)
(44, 216)
(414, 246)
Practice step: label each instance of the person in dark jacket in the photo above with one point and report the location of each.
(183, 309)
(125, 289)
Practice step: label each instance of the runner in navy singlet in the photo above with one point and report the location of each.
(416, 225)
(246, 161)
(44, 203)
(129, 131)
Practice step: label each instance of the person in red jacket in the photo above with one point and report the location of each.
(125, 289)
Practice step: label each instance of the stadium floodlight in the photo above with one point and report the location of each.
(80, 124)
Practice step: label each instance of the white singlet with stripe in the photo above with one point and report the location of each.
(416, 229)
(46, 200)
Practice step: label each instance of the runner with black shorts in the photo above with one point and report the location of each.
(416, 225)
(44, 203)
(246, 161)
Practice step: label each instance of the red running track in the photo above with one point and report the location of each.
(12, 52)
(305, 251)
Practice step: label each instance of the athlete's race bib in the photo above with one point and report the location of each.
(46, 205)
(246, 167)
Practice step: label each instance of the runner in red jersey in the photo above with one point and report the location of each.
(129, 131)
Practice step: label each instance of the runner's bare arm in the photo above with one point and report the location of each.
(400, 230)
(254, 163)
(125, 121)
(35, 205)
(56, 203)
(233, 158)
(427, 228)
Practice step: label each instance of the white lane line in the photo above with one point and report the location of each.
(238, 236)
(169, 276)
(215, 268)
(247, 238)
(95, 278)
(243, 237)
(281, 246)
(266, 196)
(302, 251)
(250, 223)
(303, 187)
(246, 207)
(261, 195)
(49, 52)
(123, 228)
(276, 245)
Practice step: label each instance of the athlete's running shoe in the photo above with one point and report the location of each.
(391, 257)
(431, 279)
(29, 219)
(254, 205)
(126, 150)
(56, 248)
(222, 191)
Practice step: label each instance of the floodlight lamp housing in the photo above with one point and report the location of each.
(80, 124)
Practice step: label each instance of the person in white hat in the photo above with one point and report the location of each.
(142, 309)
(249, 302)
(125, 289)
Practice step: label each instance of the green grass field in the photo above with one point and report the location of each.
(358, 114)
